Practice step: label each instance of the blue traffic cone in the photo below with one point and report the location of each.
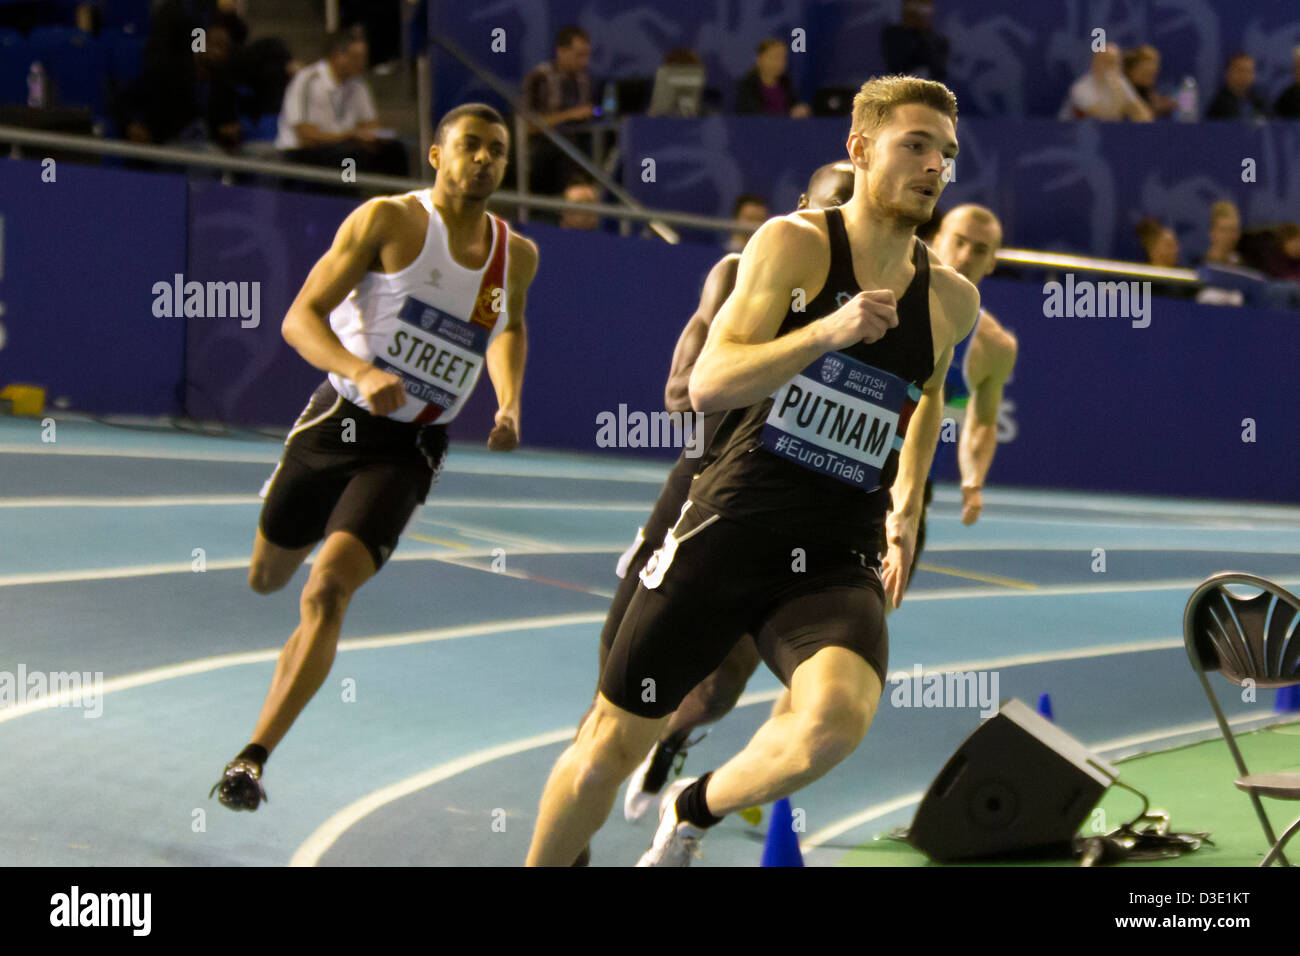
(1045, 706)
(782, 845)
(1288, 700)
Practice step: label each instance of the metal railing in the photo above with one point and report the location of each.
(16, 138)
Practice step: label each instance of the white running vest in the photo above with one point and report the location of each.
(430, 324)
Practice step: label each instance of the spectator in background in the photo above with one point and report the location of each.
(188, 100)
(562, 92)
(1288, 103)
(1225, 233)
(766, 88)
(580, 190)
(750, 209)
(1288, 235)
(90, 19)
(328, 113)
(1159, 243)
(1141, 69)
(912, 47)
(1236, 99)
(228, 16)
(1103, 93)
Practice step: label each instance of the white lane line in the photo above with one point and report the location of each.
(1163, 507)
(316, 845)
(636, 474)
(230, 564)
(1291, 548)
(324, 836)
(875, 811)
(163, 501)
(139, 501)
(219, 662)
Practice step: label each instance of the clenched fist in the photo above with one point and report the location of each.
(864, 318)
(382, 391)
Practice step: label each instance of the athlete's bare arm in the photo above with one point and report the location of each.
(717, 286)
(743, 361)
(990, 360)
(358, 247)
(506, 354)
(957, 302)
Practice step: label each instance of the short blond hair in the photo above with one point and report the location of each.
(1224, 209)
(874, 104)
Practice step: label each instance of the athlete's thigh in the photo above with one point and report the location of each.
(345, 560)
(834, 613)
(378, 502)
(837, 685)
(686, 615)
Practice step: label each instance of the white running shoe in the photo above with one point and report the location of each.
(638, 800)
(676, 842)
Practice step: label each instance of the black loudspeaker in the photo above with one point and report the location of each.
(1017, 786)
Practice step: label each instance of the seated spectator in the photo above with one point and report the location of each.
(187, 100)
(913, 47)
(1225, 233)
(1236, 99)
(1288, 103)
(329, 115)
(1159, 243)
(562, 92)
(1288, 235)
(1104, 93)
(750, 209)
(580, 190)
(767, 89)
(1141, 69)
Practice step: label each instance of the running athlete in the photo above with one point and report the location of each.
(716, 695)
(418, 293)
(833, 347)
(968, 241)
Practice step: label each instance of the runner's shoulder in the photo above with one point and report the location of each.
(957, 294)
(523, 258)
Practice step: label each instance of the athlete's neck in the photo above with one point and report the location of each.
(882, 243)
(462, 215)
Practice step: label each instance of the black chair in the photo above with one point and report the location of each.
(1255, 639)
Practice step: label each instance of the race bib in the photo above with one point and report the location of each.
(437, 356)
(842, 418)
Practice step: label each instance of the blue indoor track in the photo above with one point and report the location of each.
(457, 686)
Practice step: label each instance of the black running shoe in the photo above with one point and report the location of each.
(240, 786)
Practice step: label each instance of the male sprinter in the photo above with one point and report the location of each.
(967, 240)
(716, 695)
(780, 536)
(417, 294)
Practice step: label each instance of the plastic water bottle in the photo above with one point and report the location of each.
(1187, 101)
(37, 86)
(609, 102)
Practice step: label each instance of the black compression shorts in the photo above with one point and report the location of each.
(344, 469)
(725, 579)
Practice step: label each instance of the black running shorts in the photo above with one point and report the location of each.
(717, 579)
(344, 469)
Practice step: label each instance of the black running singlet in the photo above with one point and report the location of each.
(751, 482)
